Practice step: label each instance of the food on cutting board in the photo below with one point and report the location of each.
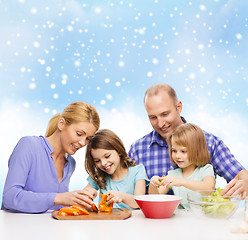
(81, 210)
(74, 210)
(93, 207)
(216, 210)
(103, 206)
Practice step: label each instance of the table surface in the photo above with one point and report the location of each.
(182, 225)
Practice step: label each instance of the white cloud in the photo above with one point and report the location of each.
(16, 121)
(125, 123)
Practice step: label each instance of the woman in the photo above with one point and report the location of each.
(40, 168)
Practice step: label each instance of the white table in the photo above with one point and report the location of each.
(182, 225)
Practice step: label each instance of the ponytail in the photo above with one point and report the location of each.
(74, 113)
(52, 125)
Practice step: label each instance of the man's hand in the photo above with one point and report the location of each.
(237, 186)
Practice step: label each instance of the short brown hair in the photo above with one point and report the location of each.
(192, 137)
(157, 88)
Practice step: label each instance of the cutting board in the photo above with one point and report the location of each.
(116, 214)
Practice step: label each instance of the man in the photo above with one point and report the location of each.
(163, 109)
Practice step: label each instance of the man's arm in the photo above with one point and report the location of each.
(227, 166)
(239, 185)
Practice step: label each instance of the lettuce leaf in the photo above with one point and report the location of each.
(217, 210)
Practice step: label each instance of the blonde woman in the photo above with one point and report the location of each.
(188, 150)
(40, 167)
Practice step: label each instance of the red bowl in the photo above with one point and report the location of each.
(158, 206)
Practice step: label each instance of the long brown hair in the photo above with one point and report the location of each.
(192, 137)
(105, 139)
(74, 113)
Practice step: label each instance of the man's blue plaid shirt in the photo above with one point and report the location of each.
(153, 152)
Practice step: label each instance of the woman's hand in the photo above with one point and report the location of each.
(79, 197)
(90, 190)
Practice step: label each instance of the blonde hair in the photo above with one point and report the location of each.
(157, 88)
(74, 113)
(105, 139)
(192, 137)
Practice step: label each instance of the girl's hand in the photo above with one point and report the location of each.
(79, 197)
(156, 181)
(158, 185)
(113, 197)
(172, 181)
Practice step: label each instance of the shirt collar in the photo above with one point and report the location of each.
(47, 145)
(156, 138)
(183, 119)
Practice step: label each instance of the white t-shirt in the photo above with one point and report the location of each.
(197, 175)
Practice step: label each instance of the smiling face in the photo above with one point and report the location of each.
(106, 160)
(75, 136)
(163, 113)
(179, 155)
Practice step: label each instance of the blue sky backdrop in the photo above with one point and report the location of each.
(108, 53)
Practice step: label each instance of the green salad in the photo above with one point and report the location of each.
(217, 210)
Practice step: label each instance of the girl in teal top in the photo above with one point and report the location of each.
(112, 172)
(188, 150)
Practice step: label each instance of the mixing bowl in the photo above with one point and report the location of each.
(158, 206)
(205, 204)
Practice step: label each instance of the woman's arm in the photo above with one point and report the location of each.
(80, 197)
